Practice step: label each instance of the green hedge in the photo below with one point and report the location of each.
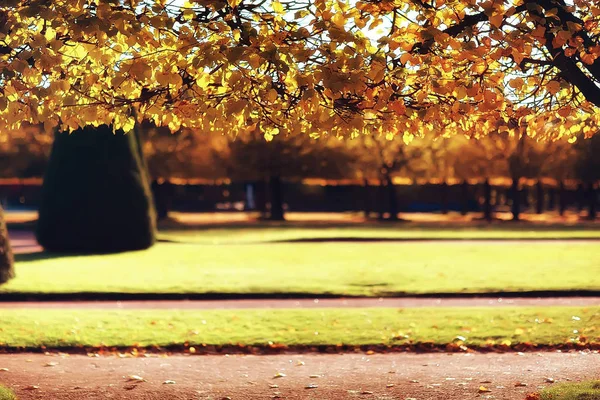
(96, 196)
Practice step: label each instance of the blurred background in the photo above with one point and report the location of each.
(386, 178)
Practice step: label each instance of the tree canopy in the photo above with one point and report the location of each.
(343, 67)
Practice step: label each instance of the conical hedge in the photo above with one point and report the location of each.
(6, 258)
(96, 197)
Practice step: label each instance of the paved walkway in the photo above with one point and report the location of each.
(308, 303)
(349, 376)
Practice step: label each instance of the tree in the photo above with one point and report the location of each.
(96, 197)
(587, 168)
(384, 157)
(6, 258)
(290, 67)
(24, 153)
(282, 158)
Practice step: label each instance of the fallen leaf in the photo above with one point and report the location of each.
(311, 386)
(299, 363)
(3, 369)
(273, 386)
(483, 389)
(135, 378)
(533, 396)
(31, 387)
(366, 392)
(550, 380)
(168, 382)
(279, 375)
(520, 384)
(414, 381)
(314, 376)
(389, 385)
(51, 364)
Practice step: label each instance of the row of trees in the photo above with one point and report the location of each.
(375, 160)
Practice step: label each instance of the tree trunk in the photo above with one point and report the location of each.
(381, 198)
(487, 200)
(163, 197)
(516, 199)
(6, 257)
(276, 191)
(524, 197)
(592, 200)
(465, 197)
(539, 197)
(393, 201)
(261, 197)
(562, 199)
(366, 198)
(580, 197)
(551, 199)
(444, 197)
(96, 197)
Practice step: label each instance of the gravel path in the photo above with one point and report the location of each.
(379, 376)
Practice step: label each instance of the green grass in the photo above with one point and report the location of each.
(394, 231)
(374, 326)
(368, 269)
(7, 394)
(589, 390)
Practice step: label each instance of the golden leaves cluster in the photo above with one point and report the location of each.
(332, 67)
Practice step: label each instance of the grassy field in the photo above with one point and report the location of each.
(589, 390)
(367, 269)
(267, 233)
(376, 326)
(7, 394)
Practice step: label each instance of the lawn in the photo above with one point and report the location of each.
(353, 327)
(266, 233)
(589, 390)
(359, 269)
(7, 394)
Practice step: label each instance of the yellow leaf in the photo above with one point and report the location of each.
(277, 7)
(271, 95)
(405, 58)
(338, 19)
(483, 389)
(553, 87)
(517, 83)
(497, 19)
(461, 92)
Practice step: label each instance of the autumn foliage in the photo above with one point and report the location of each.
(435, 67)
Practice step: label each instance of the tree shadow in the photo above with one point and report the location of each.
(48, 255)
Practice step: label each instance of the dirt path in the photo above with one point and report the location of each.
(360, 376)
(308, 303)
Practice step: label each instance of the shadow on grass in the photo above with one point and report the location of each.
(139, 296)
(48, 255)
(358, 239)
